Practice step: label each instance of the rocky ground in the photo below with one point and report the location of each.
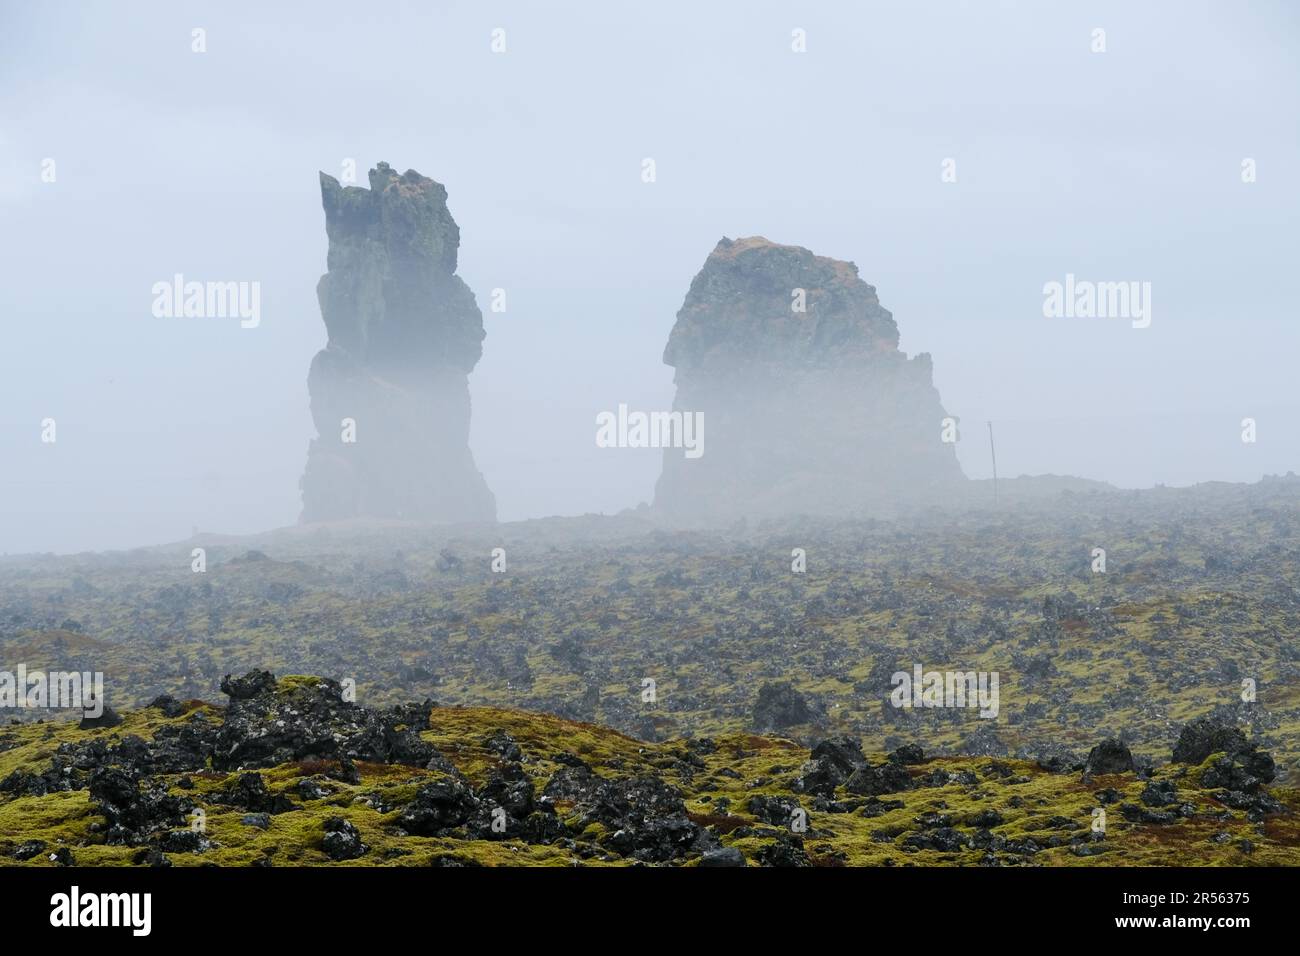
(1201, 594)
(289, 772)
(630, 639)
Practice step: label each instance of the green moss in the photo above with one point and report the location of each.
(1029, 800)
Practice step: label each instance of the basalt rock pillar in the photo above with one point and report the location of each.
(808, 404)
(390, 392)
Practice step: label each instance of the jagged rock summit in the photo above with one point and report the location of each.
(390, 392)
(808, 404)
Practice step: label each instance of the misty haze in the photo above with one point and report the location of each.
(739, 435)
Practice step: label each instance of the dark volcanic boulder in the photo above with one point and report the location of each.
(843, 753)
(183, 841)
(644, 816)
(571, 783)
(943, 839)
(808, 404)
(1204, 736)
(724, 856)
(169, 705)
(871, 781)
(1244, 768)
(983, 742)
(24, 783)
(907, 754)
(249, 792)
(786, 851)
(1056, 758)
(1243, 771)
(830, 764)
(1159, 794)
(134, 811)
(253, 684)
(439, 806)
(1209, 735)
(404, 334)
(108, 717)
(1109, 756)
(504, 745)
(510, 788)
(271, 722)
(341, 840)
(28, 849)
(779, 706)
(820, 777)
(777, 811)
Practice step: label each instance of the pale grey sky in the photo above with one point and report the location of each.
(1111, 166)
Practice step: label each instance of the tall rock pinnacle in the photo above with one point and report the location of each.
(809, 405)
(390, 392)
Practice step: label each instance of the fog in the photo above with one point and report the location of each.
(1117, 166)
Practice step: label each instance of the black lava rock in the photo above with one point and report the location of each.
(779, 706)
(439, 806)
(907, 754)
(341, 840)
(107, 718)
(786, 851)
(1204, 736)
(725, 856)
(646, 817)
(169, 705)
(267, 725)
(249, 793)
(1109, 756)
(29, 849)
(133, 813)
(873, 781)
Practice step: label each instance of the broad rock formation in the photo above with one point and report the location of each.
(404, 334)
(814, 411)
